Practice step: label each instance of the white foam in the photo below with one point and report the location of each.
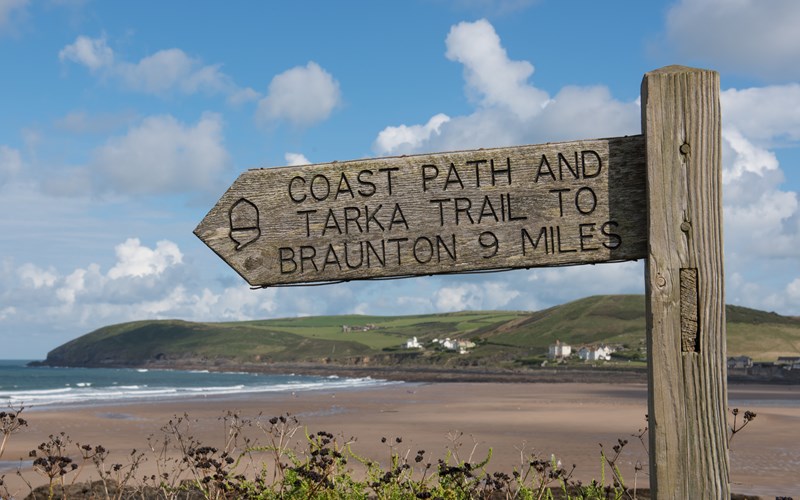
(94, 393)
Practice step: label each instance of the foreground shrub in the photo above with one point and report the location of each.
(277, 458)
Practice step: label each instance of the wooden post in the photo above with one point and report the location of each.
(687, 398)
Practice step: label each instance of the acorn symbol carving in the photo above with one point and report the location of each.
(244, 223)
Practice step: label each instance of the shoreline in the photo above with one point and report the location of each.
(567, 420)
(437, 374)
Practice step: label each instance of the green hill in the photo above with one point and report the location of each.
(502, 338)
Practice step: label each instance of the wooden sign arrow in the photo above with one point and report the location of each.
(489, 209)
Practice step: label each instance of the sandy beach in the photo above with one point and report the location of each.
(517, 420)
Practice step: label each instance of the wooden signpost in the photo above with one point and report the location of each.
(655, 196)
(517, 207)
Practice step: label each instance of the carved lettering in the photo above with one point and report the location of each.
(541, 170)
(488, 240)
(556, 240)
(591, 159)
(614, 239)
(585, 200)
(344, 187)
(319, 187)
(453, 178)
(468, 175)
(354, 255)
(462, 210)
(522, 206)
(589, 166)
(367, 187)
(586, 235)
(354, 220)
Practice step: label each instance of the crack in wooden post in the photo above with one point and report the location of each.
(690, 327)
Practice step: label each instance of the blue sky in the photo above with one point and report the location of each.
(121, 123)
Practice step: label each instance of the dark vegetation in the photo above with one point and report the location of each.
(277, 458)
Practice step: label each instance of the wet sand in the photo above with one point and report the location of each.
(515, 421)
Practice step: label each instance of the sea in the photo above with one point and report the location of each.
(35, 386)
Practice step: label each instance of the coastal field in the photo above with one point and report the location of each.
(512, 422)
(504, 340)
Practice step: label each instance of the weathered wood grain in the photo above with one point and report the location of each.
(685, 321)
(517, 207)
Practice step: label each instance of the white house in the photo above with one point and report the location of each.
(413, 344)
(789, 362)
(450, 344)
(592, 353)
(462, 346)
(559, 350)
(740, 362)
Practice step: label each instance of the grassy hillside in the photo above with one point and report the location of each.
(502, 337)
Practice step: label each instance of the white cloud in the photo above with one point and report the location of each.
(10, 163)
(144, 282)
(242, 96)
(510, 110)
(396, 140)
(74, 284)
(133, 259)
(456, 298)
(471, 296)
(94, 53)
(7, 312)
(294, 159)
(793, 291)
(236, 303)
(762, 218)
(81, 122)
(745, 36)
(569, 283)
(8, 10)
(744, 157)
(586, 112)
(159, 73)
(759, 295)
(36, 277)
(302, 96)
(362, 308)
(493, 78)
(761, 214)
(172, 69)
(764, 114)
(163, 155)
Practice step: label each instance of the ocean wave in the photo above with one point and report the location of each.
(37, 392)
(96, 392)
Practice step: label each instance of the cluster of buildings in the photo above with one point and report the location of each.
(461, 346)
(746, 362)
(361, 328)
(602, 352)
(560, 351)
(785, 369)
